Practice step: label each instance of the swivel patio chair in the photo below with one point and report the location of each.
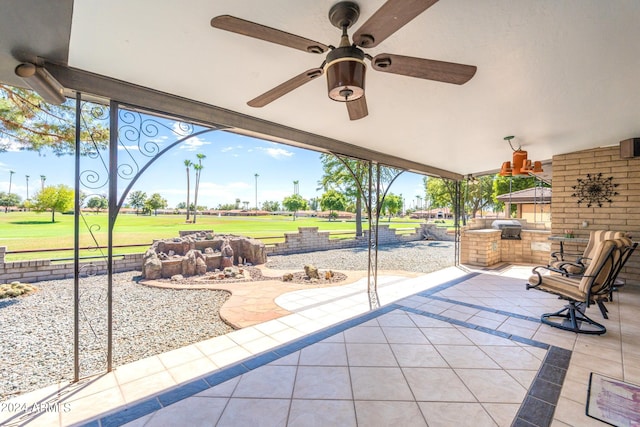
(592, 287)
(576, 263)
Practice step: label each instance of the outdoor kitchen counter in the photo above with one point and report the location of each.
(484, 247)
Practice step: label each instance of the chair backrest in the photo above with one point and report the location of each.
(609, 258)
(600, 268)
(598, 236)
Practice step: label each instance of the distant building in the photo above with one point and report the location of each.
(533, 204)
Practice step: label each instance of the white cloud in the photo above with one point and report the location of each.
(10, 144)
(193, 144)
(276, 153)
(226, 149)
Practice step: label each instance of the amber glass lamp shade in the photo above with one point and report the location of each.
(345, 72)
(537, 167)
(506, 169)
(519, 162)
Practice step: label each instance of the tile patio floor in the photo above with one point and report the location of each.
(451, 348)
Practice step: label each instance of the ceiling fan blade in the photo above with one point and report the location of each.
(285, 88)
(251, 29)
(357, 109)
(391, 16)
(447, 72)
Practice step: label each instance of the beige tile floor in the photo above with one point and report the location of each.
(403, 367)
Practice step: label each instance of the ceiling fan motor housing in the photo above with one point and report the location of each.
(345, 72)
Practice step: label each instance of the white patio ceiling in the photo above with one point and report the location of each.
(559, 75)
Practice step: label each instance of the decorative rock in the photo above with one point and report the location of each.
(189, 262)
(151, 265)
(227, 255)
(177, 277)
(311, 271)
(208, 250)
(201, 266)
(287, 277)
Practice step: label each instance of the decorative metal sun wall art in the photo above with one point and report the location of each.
(595, 190)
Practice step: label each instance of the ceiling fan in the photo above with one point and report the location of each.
(345, 65)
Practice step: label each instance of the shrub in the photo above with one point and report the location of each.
(15, 289)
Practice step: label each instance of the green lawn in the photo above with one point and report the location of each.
(29, 231)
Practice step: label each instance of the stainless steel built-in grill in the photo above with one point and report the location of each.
(510, 228)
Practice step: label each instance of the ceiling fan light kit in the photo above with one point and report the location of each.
(345, 65)
(345, 72)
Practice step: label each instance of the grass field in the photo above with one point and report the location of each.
(32, 231)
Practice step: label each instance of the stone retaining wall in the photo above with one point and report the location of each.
(307, 239)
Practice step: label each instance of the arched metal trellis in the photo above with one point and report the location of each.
(136, 140)
(371, 177)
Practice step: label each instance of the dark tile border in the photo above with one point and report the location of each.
(548, 381)
(189, 389)
(488, 309)
(538, 407)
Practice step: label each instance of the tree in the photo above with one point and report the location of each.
(392, 205)
(477, 194)
(59, 198)
(188, 164)
(97, 203)
(155, 202)
(198, 169)
(32, 124)
(270, 206)
(227, 207)
(294, 203)
(333, 201)
(7, 200)
(137, 200)
(337, 177)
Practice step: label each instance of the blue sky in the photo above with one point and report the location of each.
(229, 172)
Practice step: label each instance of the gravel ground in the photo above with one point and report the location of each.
(36, 348)
(37, 330)
(419, 257)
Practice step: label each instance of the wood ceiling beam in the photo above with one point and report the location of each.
(190, 110)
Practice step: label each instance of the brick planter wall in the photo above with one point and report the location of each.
(38, 270)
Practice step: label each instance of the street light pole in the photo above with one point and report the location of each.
(256, 176)
(10, 179)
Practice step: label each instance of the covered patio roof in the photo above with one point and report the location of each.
(560, 76)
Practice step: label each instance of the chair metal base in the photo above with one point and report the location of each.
(571, 318)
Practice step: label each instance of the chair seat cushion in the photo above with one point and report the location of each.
(560, 285)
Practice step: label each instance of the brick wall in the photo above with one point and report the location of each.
(309, 239)
(38, 270)
(623, 214)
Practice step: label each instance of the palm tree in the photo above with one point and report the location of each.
(188, 165)
(42, 180)
(198, 169)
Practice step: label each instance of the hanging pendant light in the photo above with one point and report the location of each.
(519, 164)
